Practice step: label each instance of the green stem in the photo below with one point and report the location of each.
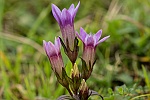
(143, 95)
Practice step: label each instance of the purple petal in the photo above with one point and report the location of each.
(45, 46)
(90, 41)
(102, 40)
(56, 13)
(57, 44)
(79, 36)
(66, 17)
(97, 35)
(51, 49)
(83, 34)
(75, 10)
(71, 9)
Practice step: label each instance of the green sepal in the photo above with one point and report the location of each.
(84, 70)
(93, 64)
(76, 47)
(63, 45)
(72, 55)
(64, 81)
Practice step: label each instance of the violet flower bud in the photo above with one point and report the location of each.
(54, 55)
(90, 43)
(65, 19)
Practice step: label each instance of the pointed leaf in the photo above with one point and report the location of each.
(63, 45)
(84, 66)
(64, 97)
(92, 92)
(76, 47)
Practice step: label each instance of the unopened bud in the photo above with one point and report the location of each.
(54, 55)
(75, 71)
(76, 80)
(84, 91)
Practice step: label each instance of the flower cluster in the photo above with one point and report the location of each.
(76, 84)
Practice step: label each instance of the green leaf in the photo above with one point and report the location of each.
(146, 77)
(110, 91)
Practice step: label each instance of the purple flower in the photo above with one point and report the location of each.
(90, 42)
(65, 19)
(54, 55)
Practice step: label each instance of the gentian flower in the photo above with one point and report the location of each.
(65, 19)
(54, 55)
(90, 43)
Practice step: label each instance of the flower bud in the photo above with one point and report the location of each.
(83, 91)
(54, 55)
(75, 71)
(76, 79)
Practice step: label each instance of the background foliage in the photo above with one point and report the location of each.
(122, 70)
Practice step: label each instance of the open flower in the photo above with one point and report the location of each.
(90, 42)
(54, 55)
(65, 19)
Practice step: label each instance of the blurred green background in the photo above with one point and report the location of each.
(122, 70)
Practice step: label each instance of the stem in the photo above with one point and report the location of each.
(143, 95)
